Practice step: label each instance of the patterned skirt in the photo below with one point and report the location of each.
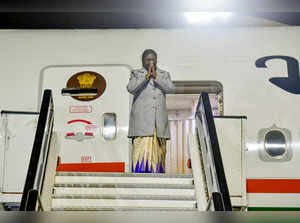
(149, 154)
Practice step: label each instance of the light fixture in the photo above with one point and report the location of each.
(204, 17)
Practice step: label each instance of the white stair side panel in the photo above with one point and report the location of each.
(197, 172)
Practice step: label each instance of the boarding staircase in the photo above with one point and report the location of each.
(114, 191)
(205, 189)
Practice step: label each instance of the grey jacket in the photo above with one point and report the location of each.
(149, 103)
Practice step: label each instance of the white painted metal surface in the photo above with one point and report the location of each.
(16, 145)
(114, 100)
(50, 171)
(231, 141)
(198, 174)
(274, 200)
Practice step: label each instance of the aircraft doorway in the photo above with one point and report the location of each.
(181, 108)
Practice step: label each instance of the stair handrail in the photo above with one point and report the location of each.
(38, 161)
(211, 156)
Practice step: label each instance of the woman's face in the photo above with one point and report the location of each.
(148, 60)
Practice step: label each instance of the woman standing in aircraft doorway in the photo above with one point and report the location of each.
(148, 124)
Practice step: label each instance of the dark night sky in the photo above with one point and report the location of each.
(136, 13)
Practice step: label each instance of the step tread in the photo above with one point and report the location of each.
(124, 185)
(100, 203)
(125, 197)
(123, 191)
(124, 180)
(122, 209)
(142, 175)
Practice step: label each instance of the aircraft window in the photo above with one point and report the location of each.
(275, 144)
(109, 126)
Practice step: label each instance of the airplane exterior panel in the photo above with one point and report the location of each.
(263, 89)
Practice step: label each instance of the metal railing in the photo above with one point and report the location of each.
(215, 180)
(38, 160)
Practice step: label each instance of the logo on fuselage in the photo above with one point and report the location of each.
(87, 79)
(291, 83)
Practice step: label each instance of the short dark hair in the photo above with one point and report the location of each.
(147, 52)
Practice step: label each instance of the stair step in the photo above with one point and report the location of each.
(122, 185)
(155, 175)
(122, 180)
(123, 197)
(118, 192)
(123, 209)
(85, 191)
(62, 203)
